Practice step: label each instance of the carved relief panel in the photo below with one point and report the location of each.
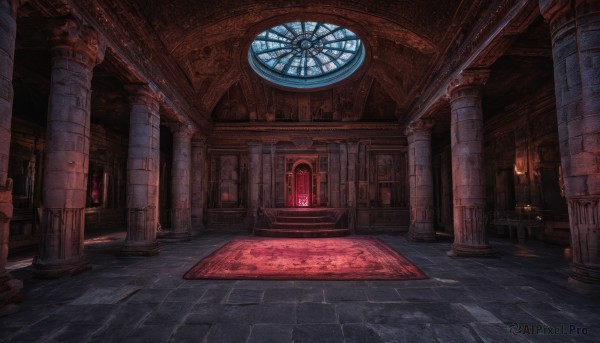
(228, 180)
(228, 183)
(388, 179)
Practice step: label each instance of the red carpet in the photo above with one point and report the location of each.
(348, 258)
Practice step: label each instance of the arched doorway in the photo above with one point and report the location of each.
(302, 186)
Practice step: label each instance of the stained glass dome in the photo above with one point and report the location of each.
(306, 54)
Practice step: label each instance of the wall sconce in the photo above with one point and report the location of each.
(519, 172)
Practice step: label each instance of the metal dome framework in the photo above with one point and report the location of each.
(306, 54)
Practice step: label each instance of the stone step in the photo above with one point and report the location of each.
(302, 226)
(315, 233)
(304, 219)
(304, 213)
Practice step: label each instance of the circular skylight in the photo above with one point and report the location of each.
(306, 54)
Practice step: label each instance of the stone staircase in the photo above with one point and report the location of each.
(302, 223)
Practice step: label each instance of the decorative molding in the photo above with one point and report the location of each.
(302, 142)
(275, 127)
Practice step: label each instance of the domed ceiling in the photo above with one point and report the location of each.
(197, 54)
(209, 41)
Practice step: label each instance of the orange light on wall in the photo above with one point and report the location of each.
(519, 172)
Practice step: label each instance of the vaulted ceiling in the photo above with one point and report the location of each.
(209, 42)
(199, 50)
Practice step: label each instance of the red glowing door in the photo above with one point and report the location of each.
(302, 176)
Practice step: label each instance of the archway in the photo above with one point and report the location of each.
(302, 186)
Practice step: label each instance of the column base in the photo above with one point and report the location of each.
(419, 234)
(133, 248)
(584, 279)
(463, 250)
(10, 294)
(175, 236)
(53, 269)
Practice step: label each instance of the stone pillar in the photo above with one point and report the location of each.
(468, 179)
(273, 174)
(254, 157)
(75, 51)
(343, 175)
(575, 31)
(181, 217)
(199, 178)
(8, 33)
(143, 165)
(10, 289)
(267, 168)
(420, 177)
(334, 174)
(352, 183)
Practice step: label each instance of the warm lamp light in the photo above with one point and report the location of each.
(518, 172)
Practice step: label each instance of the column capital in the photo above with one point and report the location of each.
(73, 40)
(142, 94)
(551, 9)
(199, 140)
(182, 129)
(469, 77)
(11, 6)
(421, 124)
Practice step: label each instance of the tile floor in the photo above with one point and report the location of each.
(520, 296)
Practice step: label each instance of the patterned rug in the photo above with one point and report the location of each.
(346, 258)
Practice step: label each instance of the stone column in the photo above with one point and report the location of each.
(254, 154)
(199, 176)
(333, 176)
(143, 165)
(8, 33)
(181, 217)
(75, 51)
(267, 168)
(468, 179)
(352, 183)
(273, 174)
(343, 175)
(575, 32)
(10, 289)
(420, 177)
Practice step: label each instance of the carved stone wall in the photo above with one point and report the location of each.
(365, 100)
(523, 166)
(334, 168)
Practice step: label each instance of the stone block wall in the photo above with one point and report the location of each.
(524, 145)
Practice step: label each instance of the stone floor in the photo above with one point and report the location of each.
(520, 296)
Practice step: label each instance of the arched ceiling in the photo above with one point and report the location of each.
(196, 51)
(209, 40)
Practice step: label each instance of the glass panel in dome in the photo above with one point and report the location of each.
(305, 54)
